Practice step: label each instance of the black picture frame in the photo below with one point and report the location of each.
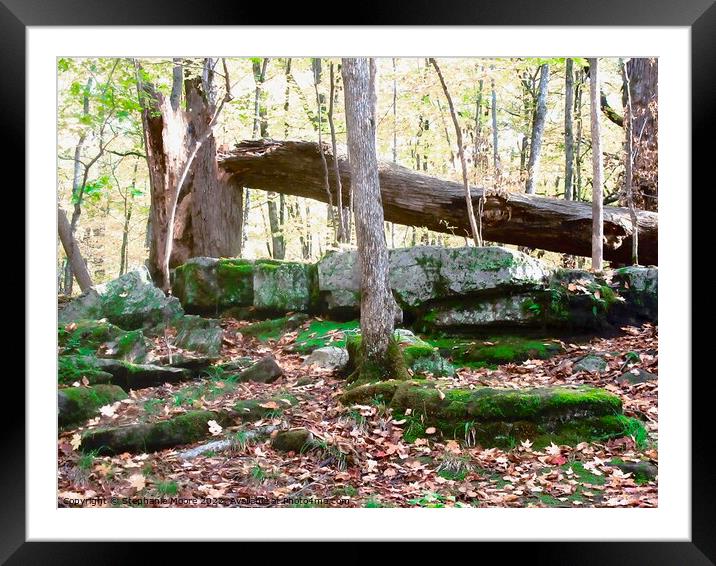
(698, 15)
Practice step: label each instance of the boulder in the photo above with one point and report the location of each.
(209, 285)
(591, 363)
(642, 471)
(199, 335)
(131, 301)
(148, 437)
(490, 312)
(125, 374)
(77, 404)
(640, 287)
(80, 369)
(328, 357)
(266, 370)
(501, 417)
(104, 339)
(285, 286)
(422, 274)
(635, 376)
(292, 440)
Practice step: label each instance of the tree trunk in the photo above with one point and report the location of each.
(72, 251)
(629, 163)
(377, 303)
(414, 199)
(343, 233)
(495, 152)
(533, 165)
(597, 168)
(568, 132)
(643, 81)
(474, 229)
(210, 206)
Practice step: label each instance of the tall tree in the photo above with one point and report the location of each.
(72, 250)
(643, 88)
(533, 166)
(568, 130)
(629, 163)
(476, 232)
(495, 151)
(195, 209)
(379, 356)
(331, 220)
(343, 234)
(597, 168)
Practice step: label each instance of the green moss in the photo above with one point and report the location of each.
(381, 391)
(147, 437)
(321, 333)
(87, 335)
(390, 365)
(71, 369)
(78, 404)
(273, 329)
(501, 417)
(235, 278)
(494, 350)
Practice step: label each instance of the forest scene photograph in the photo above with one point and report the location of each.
(359, 282)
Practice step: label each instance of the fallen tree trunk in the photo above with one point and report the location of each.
(411, 198)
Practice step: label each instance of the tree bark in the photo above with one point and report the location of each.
(414, 199)
(533, 165)
(495, 152)
(377, 303)
(72, 250)
(568, 130)
(643, 82)
(474, 229)
(210, 206)
(597, 168)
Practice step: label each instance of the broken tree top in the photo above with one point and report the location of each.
(411, 198)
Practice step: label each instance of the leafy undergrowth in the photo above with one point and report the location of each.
(358, 457)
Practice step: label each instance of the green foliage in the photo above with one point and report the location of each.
(167, 488)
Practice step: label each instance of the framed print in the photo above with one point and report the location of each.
(289, 273)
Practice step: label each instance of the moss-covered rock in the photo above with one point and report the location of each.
(642, 471)
(285, 286)
(640, 288)
(200, 335)
(207, 285)
(291, 440)
(76, 368)
(125, 374)
(131, 301)
(77, 404)
(494, 350)
(148, 437)
(477, 314)
(423, 274)
(499, 417)
(103, 339)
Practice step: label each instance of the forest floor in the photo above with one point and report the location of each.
(358, 457)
